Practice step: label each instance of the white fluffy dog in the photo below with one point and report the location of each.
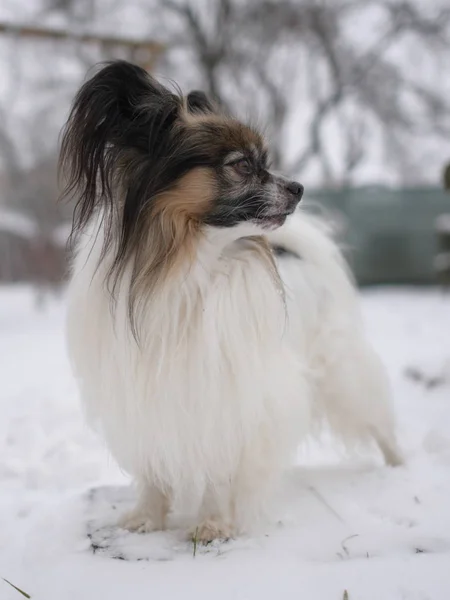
(208, 329)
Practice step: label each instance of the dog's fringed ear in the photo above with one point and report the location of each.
(199, 103)
(121, 115)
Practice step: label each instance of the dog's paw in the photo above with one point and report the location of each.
(138, 522)
(210, 530)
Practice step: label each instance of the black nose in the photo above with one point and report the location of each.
(295, 188)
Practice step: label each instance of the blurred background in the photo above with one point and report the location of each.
(354, 96)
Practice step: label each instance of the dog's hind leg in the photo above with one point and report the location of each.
(388, 446)
(354, 398)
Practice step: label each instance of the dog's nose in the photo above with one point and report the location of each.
(295, 188)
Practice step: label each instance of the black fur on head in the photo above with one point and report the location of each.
(198, 102)
(122, 121)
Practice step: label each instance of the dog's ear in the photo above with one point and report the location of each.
(123, 106)
(122, 116)
(199, 103)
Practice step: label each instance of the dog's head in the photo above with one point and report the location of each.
(242, 187)
(138, 149)
(160, 169)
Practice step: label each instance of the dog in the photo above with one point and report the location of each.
(212, 325)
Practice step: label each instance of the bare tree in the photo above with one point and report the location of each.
(294, 66)
(249, 54)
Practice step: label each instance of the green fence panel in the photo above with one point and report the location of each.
(389, 235)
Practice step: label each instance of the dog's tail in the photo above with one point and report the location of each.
(311, 239)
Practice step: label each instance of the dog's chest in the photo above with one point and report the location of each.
(213, 371)
(239, 307)
(222, 355)
(220, 336)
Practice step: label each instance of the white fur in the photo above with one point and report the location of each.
(225, 383)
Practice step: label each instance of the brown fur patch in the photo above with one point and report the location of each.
(190, 198)
(224, 132)
(171, 232)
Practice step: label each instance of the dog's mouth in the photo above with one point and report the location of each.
(272, 220)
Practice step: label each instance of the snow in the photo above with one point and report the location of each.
(341, 523)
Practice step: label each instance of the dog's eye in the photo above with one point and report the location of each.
(242, 166)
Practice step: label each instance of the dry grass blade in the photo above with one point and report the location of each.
(16, 588)
(195, 541)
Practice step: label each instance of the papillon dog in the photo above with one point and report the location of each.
(212, 327)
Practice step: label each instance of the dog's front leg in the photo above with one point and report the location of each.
(150, 511)
(215, 518)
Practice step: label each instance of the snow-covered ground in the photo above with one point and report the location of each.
(342, 523)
